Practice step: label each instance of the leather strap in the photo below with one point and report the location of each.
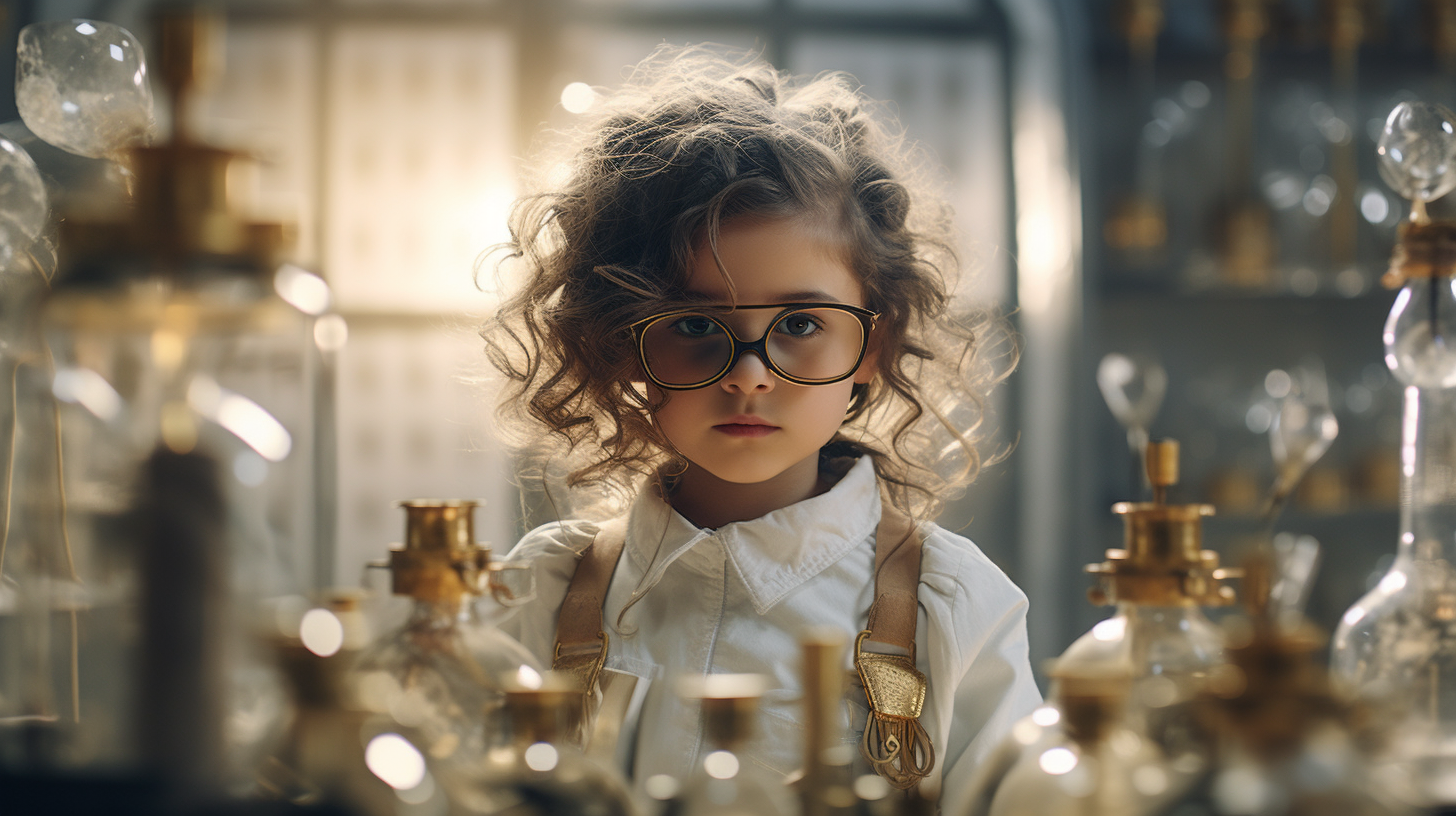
(897, 580)
(581, 641)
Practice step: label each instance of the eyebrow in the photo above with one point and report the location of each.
(805, 296)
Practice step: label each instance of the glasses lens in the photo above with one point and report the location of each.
(813, 344)
(816, 344)
(685, 349)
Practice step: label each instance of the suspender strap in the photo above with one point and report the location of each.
(897, 579)
(894, 743)
(581, 640)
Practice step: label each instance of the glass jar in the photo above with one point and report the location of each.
(448, 666)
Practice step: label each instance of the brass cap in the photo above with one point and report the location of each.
(440, 560)
(1091, 701)
(730, 703)
(186, 195)
(1162, 562)
(544, 712)
(1422, 250)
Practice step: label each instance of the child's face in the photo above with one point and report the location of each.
(752, 426)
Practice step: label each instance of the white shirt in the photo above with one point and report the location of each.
(736, 598)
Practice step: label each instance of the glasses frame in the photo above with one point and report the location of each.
(867, 318)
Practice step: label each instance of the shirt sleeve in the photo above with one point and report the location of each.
(552, 552)
(982, 668)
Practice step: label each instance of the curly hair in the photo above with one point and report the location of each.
(692, 141)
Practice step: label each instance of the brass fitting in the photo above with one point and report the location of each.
(1163, 562)
(441, 560)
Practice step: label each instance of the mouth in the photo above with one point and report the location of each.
(747, 426)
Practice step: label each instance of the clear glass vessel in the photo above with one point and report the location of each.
(166, 437)
(1160, 636)
(1397, 645)
(725, 783)
(538, 771)
(448, 666)
(1081, 758)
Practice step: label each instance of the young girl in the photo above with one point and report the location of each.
(735, 315)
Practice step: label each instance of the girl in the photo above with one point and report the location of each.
(734, 315)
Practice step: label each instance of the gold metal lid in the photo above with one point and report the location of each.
(1163, 562)
(186, 194)
(1423, 249)
(730, 704)
(544, 712)
(441, 560)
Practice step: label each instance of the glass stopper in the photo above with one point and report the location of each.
(1417, 150)
(81, 85)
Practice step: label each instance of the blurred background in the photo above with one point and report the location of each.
(1190, 185)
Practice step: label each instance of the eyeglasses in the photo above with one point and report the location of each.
(804, 343)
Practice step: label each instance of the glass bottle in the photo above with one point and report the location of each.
(447, 666)
(341, 749)
(1081, 758)
(1284, 741)
(725, 783)
(167, 442)
(1397, 644)
(1160, 582)
(538, 771)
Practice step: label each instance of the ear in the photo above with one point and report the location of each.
(869, 367)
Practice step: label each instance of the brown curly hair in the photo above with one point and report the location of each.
(694, 140)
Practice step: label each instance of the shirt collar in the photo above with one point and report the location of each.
(773, 554)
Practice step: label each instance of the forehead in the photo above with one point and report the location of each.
(772, 261)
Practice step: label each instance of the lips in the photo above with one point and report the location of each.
(746, 426)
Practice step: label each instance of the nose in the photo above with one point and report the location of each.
(749, 375)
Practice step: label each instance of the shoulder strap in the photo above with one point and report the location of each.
(581, 640)
(895, 744)
(897, 580)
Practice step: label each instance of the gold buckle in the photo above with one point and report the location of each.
(584, 667)
(892, 684)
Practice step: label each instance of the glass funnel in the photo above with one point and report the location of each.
(447, 667)
(1397, 645)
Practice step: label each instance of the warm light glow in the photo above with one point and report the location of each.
(1046, 716)
(871, 787)
(721, 765)
(1392, 582)
(541, 757)
(169, 348)
(578, 97)
(1110, 630)
(1057, 761)
(1353, 615)
(393, 759)
(321, 632)
(528, 677)
(331, 332)
(247, 420)
(661, 787)
(306, 291)
(88, 389)
(1150, 780)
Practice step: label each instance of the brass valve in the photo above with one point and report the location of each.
(441, 560)
(1163, 562)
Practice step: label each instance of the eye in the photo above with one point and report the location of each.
(695, 326)
(799, 324)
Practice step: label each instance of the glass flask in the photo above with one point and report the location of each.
(538, 771)
(1284, 742)
(1081, 758)
(1397, 644)
(447, 666)
(166, 434)
(341, 748)
(725, 783)
(1160, 582)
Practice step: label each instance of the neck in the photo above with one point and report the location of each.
(1428, 488)
(708, 501)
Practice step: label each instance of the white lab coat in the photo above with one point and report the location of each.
(736, 598)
